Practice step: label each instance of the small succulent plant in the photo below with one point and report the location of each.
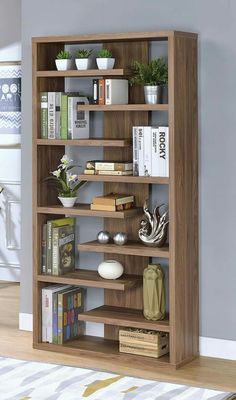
(64, 55)
(104, 53)
(153, 73)
(83, 53)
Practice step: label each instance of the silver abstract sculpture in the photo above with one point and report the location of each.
(153, 230)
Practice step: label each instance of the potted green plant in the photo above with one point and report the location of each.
(66, 183)
(82, 60)
(152, 75)
(104, 59)
(63, 60)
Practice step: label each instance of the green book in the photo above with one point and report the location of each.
(63, 249)
(44, 115)
(64, 114)
(50, 225)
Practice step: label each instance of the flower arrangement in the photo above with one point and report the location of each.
(66, 183)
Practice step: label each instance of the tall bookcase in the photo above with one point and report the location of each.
(123, 297)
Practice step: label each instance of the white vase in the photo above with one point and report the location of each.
(110, 269)
(63, 65)
(105, 63)
(67, 201)
(82, 63)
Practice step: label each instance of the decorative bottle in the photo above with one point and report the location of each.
(153, 293)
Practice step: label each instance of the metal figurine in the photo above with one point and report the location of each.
(120, 238)
(103, 237)
(153, 230)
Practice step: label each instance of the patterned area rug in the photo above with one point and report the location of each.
(23, 380)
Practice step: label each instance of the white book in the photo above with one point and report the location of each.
(140, 151)
(113, 166)
(47, 310)
(154, 152)
(51, 115)
(162, 149)
(167, 152)
(116, 91)
(57, 114)
(78, 120)
(135, 151)
(147, 133)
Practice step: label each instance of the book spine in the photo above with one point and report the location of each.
(55, 251)
(147, 133)
(155, 155)
(57, 114)
(111, 166)
(46, 316)
(121, 173)
(51, 116)
(44, 249)
(108, 91)
(101, 91)
(60, 312)
(54, 318)
(95, 91)
(135, 151)
(167, 171)
(89, 172)
(70, 117)
(49, 248)
(64, 117)
(44, 115)
(162, 149)
(140, 151)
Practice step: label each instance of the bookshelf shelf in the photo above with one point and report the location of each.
(104, 349)
(88, 278)
(84, 73)
(84, 210)
(86, 142)
(121, 316)
(125, 107)
(123, 297)
(125, 179)
(131, 249)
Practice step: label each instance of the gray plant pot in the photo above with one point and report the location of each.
(152, 94)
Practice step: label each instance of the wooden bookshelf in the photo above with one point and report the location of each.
(123, 297)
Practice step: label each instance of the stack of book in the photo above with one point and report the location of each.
(58, 246)
(61, 117)
(151, 151)
(61, 305)
(110, 91)
(113, 202)
(108, 168)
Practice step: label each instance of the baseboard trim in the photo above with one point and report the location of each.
(209, 347)
(26, 322)
(217, 348)
(10, 272)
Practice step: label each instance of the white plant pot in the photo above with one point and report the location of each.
(67, 201)
(63, 65)
(105, 63)
(82, 63)
(110, 269)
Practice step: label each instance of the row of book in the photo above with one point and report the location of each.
(151, 151)
(61, 305)
(98, 167)
(113, 202)
(61, 116)
(58, 246)
(110, 91)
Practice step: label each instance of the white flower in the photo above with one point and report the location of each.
(71, 177)
(65, 160)
(57, 173)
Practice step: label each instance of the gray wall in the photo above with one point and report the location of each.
(215, 21)
(10, 30)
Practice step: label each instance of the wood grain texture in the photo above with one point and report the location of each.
(126, 179)
(123, 316)
(86, 142)
(183, 192)
(84, 210)
(132, 248)
(125, 107)
(89, 278)
(89, 72)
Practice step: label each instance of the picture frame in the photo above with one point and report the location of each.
(10, 102)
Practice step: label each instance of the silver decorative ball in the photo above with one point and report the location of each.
(120, 238)
(103, 237)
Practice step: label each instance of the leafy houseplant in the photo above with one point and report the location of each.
(82, 58)
(152, 75)
(63, 60)
(66, 183)
(104, 59)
